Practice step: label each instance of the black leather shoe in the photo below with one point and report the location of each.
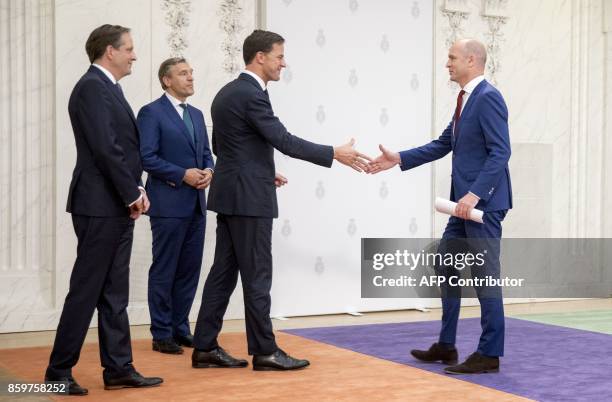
(186, 340)
(73, 387)
(436, 353)
(475, 364)
(215, 358)
(132, 380)
(167, 346)
(278, 360)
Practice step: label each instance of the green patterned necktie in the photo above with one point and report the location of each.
(188, 122)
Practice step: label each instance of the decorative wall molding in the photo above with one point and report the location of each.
(231, 23)
(494, 12)
(177, 18)
(456, 11)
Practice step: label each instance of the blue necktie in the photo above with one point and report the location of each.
(188, 122)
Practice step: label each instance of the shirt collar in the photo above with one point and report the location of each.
(106, 72)
(470, 86)
(175, 102)
(262, 84)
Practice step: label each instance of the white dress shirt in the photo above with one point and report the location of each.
(176, 103)
(106, 72)
(469, 88)
(257, 77)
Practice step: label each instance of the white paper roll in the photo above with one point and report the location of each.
(448, 207)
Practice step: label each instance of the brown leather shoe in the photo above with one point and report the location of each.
(475, 364)
(436, 353)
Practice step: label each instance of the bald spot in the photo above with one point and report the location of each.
(472, 47)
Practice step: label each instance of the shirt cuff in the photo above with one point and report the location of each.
(136, 200)
(474, 195)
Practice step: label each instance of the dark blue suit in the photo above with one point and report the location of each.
(104, 182)
(177, 213)
(243, 194)
(480, 144)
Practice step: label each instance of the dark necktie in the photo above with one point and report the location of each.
(119, 90)
(458, 111)
(188, 122)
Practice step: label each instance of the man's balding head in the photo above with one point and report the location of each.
(466, 60)
(474, 48)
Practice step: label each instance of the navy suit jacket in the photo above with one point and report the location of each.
(481, 150)
(245, 134)
(167, 151)
(108, 170)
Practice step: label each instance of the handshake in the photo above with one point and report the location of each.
(349, 156)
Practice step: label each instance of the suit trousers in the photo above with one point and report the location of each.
(244, 245)
(178, 245)
(480, 237)
(99, 279)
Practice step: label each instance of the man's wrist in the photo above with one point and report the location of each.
(136, 201)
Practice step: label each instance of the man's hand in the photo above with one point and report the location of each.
(347, 155)
(280, 180)
(206, 178)
(194, 177)
(385, 161)
(137, 209)
(145, 200)
(465, 205)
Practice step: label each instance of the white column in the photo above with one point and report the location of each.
(607, 84)
(26, 158)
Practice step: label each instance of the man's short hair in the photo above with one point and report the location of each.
(103, 36)
(164, 68)
(259, 41)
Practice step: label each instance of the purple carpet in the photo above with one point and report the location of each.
(542, 362)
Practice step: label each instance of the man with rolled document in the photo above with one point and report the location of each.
(479, 141)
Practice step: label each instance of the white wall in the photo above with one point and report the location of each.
(555, 74)
(362, 70)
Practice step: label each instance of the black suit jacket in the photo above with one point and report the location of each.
(245, 133)
(108, 168)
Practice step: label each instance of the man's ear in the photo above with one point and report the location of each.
(259, 57)
(109, 52)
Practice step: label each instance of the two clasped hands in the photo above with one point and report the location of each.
(196, 178)
(349, 156)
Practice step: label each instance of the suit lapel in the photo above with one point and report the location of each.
(115, 91)
(176, 119)
(253, 81)
(122, 100)
(467, 110)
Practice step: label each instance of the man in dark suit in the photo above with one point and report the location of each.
(105, 198)
(479, 141)
(176, 155)
(243, 193)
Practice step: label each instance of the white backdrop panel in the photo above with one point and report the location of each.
(359, 69)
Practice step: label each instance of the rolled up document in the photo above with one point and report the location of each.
(448, 207)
